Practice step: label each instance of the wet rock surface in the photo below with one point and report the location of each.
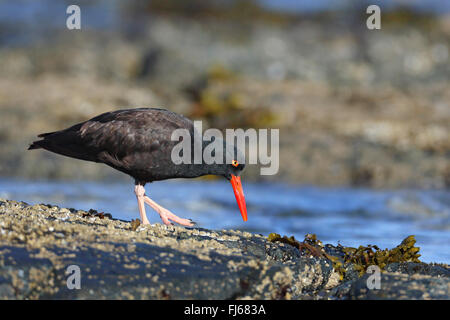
(120, 261)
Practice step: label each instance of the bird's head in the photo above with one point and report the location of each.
(234, 176)
(230, 170)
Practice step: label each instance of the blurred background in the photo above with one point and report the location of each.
(364, 115)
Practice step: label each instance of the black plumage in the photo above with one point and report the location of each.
(138, 142)
(134, 141)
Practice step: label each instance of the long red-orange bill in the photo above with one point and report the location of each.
(239, 193)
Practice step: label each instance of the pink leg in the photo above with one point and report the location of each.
(165, 214)
(140, 194)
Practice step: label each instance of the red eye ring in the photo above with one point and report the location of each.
(234, 163)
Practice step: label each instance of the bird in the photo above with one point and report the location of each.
(138, 143)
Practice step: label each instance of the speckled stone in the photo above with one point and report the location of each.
(38, 243)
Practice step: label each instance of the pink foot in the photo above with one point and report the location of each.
(167, 216)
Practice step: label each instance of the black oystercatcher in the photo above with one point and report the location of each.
(138, 143)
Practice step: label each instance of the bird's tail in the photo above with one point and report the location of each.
(40, 143)
(65, 142)
(34, 145)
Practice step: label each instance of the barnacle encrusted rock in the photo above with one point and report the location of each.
(125, 260)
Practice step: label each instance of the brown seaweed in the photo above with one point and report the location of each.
(359, 258)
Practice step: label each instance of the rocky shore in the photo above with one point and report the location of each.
(354, 106)
(124, 260)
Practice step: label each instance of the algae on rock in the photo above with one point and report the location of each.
(358, 259)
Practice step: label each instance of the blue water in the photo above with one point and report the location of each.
(434, 6)
(23, 21)
(348, 216)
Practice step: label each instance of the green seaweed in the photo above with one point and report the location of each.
(273, 237)
(368, 255)
(359, 258)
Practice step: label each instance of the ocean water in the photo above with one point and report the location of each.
(30, 20)
(348, 216)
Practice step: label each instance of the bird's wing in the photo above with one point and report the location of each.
(117, 137)
(136, 130)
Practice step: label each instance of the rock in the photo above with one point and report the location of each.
(411, 268)
(373, 113)
(170, 262)
(402, 286)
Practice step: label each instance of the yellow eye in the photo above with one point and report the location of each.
(234, 163)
